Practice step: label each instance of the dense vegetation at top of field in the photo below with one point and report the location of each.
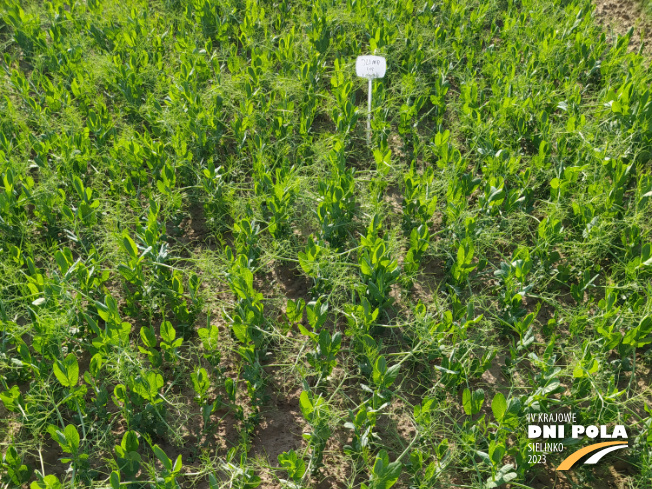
(208, 277)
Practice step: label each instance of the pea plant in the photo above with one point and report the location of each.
(378, 269)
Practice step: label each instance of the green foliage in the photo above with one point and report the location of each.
(326, 345)
(68, 439)
(640, 335)
(419, 242)
(315, 412)
(336, 207)
(463, 264)
(148, 338)
(170, 472)
(293, 465)
(164, 162)
(504, 475)
(48, 482)
(210, 341)
(420, 201)
(169, 341)
(282, 193)
(240, 476)
(67, 371)
(127, 455)
(472, 401)
(15, 471)
(213, 184)
(384, 474)
(379, 271)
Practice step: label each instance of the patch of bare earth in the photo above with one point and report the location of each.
(618, 16)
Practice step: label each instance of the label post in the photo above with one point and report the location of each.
(370, 67)
(369, 113)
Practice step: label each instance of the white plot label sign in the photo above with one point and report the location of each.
(370, 66)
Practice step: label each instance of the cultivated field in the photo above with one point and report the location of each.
(209, 278)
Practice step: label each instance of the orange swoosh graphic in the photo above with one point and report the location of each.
(575, 456)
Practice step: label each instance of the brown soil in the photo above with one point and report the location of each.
(618, 16)
(279, 431)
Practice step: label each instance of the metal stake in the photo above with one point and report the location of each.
(369, 113)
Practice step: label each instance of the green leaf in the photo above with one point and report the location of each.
(306, 332)
(130, 247)
(161, 455)
(212, 482)
(130, 441)
(178, 465)
(390, 376)
(161, 187)
(148, 385)
(11, 398)
(466, 402)
(496, 452)
(293, 464)
(472, 401)
(120, 393)
(129, 463)
(365, 266)
(62, 260)
(115, 480)
(59, 437)
(72, 438)
(18, 472)
(241, 332)
(200, 381)
(317, 314)
(645, 326)
(499, 406)
(67, 372)
(11, 456)
(640, 335)
(465, 253)
(442, 449)
(385, 474)
(168, 333)
(148, 337)
(503, 476)
(48, 482)
(209, 337)
(306, 405)
(294, 310)
(96, 364)
(79, 186)
(380, 369)
(230, 386)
